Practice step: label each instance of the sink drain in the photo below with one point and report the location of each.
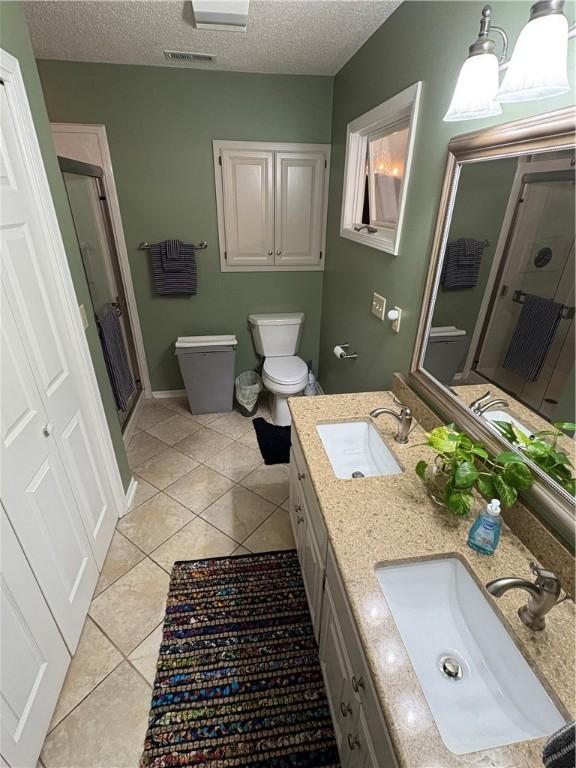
(357, 474)
(450, 668)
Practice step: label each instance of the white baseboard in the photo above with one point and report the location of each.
(130, 493)
(162, 393)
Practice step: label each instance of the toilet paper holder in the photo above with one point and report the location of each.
(340, 350)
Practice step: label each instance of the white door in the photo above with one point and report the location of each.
(248, 189)
(34, 657)
(299, 207)
(32, 289)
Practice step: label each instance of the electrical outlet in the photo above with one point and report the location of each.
(395, 314)
(378, 306)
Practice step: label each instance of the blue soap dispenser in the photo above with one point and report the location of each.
(485, 531)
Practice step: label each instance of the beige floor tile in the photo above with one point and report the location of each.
(197, 540)
(271, 482)
(154, 522)
(203, 444)
(144, 491)
(206, 418)
(130, 609)
(176, 428)
(150, 413)
(141, 447)
(236, 461)
(165, 467)
(232, 425)
(178, 404)
(250, 440)
(95, 657)
(122, 555)
(107, 729)
(199, 488)
(238, 513)
(241, 551)
(274, 533)
(145, 656)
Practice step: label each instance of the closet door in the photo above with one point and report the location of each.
(32, 286)
(34, 657)
(248, 190)
(36, 492)
(299, 207)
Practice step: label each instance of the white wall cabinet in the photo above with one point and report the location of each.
(360, 730)
(272, 205)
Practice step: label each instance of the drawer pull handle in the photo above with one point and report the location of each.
(353, 742)
(346, 709)
(357, 683)
(299, 519)
(301, 476)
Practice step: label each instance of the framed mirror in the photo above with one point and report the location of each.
(495, 346)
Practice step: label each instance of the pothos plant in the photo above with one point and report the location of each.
(542, 448)
(463, 466)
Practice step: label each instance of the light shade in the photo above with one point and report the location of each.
(538, 67)
(475, 90)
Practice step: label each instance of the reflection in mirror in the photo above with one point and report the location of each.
(503, 319)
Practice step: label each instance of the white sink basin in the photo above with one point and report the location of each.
(441, 612)
(356, 447)
(503, 416)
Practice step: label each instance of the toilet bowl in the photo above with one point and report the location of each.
(276, 339)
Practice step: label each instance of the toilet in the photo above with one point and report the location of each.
(276, 339)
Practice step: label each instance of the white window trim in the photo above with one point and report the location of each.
(270, 146)
(404, 105)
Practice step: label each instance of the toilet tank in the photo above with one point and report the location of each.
(276, 335)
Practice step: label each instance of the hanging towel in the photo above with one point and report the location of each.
(115, 355)
(174, 268)
(462, 263)
(560, 749)
(533, 336)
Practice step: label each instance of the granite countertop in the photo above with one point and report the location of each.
(386, 519)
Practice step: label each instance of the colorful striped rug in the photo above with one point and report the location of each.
(238, 681)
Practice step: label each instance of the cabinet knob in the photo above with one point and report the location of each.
(353, 741)
(47, 429)
(346, 709)
(299, 519)
(270, 252)
(301, 476)
(298, 508)
(278, 253)
(357, 683)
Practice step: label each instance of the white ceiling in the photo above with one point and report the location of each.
(283, 36)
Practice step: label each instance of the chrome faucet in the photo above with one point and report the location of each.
(404, 419)
(544, 593)
(482, 404)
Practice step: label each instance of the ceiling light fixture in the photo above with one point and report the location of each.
(221, 15)
(537, 69)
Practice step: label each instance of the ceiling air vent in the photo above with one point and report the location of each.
(182, 56)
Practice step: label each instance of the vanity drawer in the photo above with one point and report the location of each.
(303, 477)
(361, 679)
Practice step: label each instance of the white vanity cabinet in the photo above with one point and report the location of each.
(272, 205)
(359, 726)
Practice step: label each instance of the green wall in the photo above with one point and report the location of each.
(160, 124)
(425, 41)
(15, 39)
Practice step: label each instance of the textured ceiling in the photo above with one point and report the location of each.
(283, 36)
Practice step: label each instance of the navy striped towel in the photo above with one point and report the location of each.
(462, 263)
(560, 749)
(115, 355)
(174, 269)
(533, 336)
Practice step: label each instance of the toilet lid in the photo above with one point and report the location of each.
(285, 370)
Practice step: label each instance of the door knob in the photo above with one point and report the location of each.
(47, 429)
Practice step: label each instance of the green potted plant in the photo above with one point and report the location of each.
(462, 466)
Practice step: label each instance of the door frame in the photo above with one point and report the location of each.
(55, 253)
(105, 162)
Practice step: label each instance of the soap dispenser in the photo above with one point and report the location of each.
(485, 531)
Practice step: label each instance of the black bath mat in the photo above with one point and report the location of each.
(274, 442)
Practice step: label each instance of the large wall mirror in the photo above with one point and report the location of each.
(496, 342)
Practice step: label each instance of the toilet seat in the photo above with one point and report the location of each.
(286, 371)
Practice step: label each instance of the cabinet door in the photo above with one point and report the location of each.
(359, 751)
(312, 570)
(248, 192)
(297, 518)
(34, 657)
(299, 207)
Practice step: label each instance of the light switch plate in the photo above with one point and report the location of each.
(378, 306)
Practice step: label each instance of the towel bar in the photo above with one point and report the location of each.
(566, 314)
(199, 247)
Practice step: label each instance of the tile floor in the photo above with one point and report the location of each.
(203, 491)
